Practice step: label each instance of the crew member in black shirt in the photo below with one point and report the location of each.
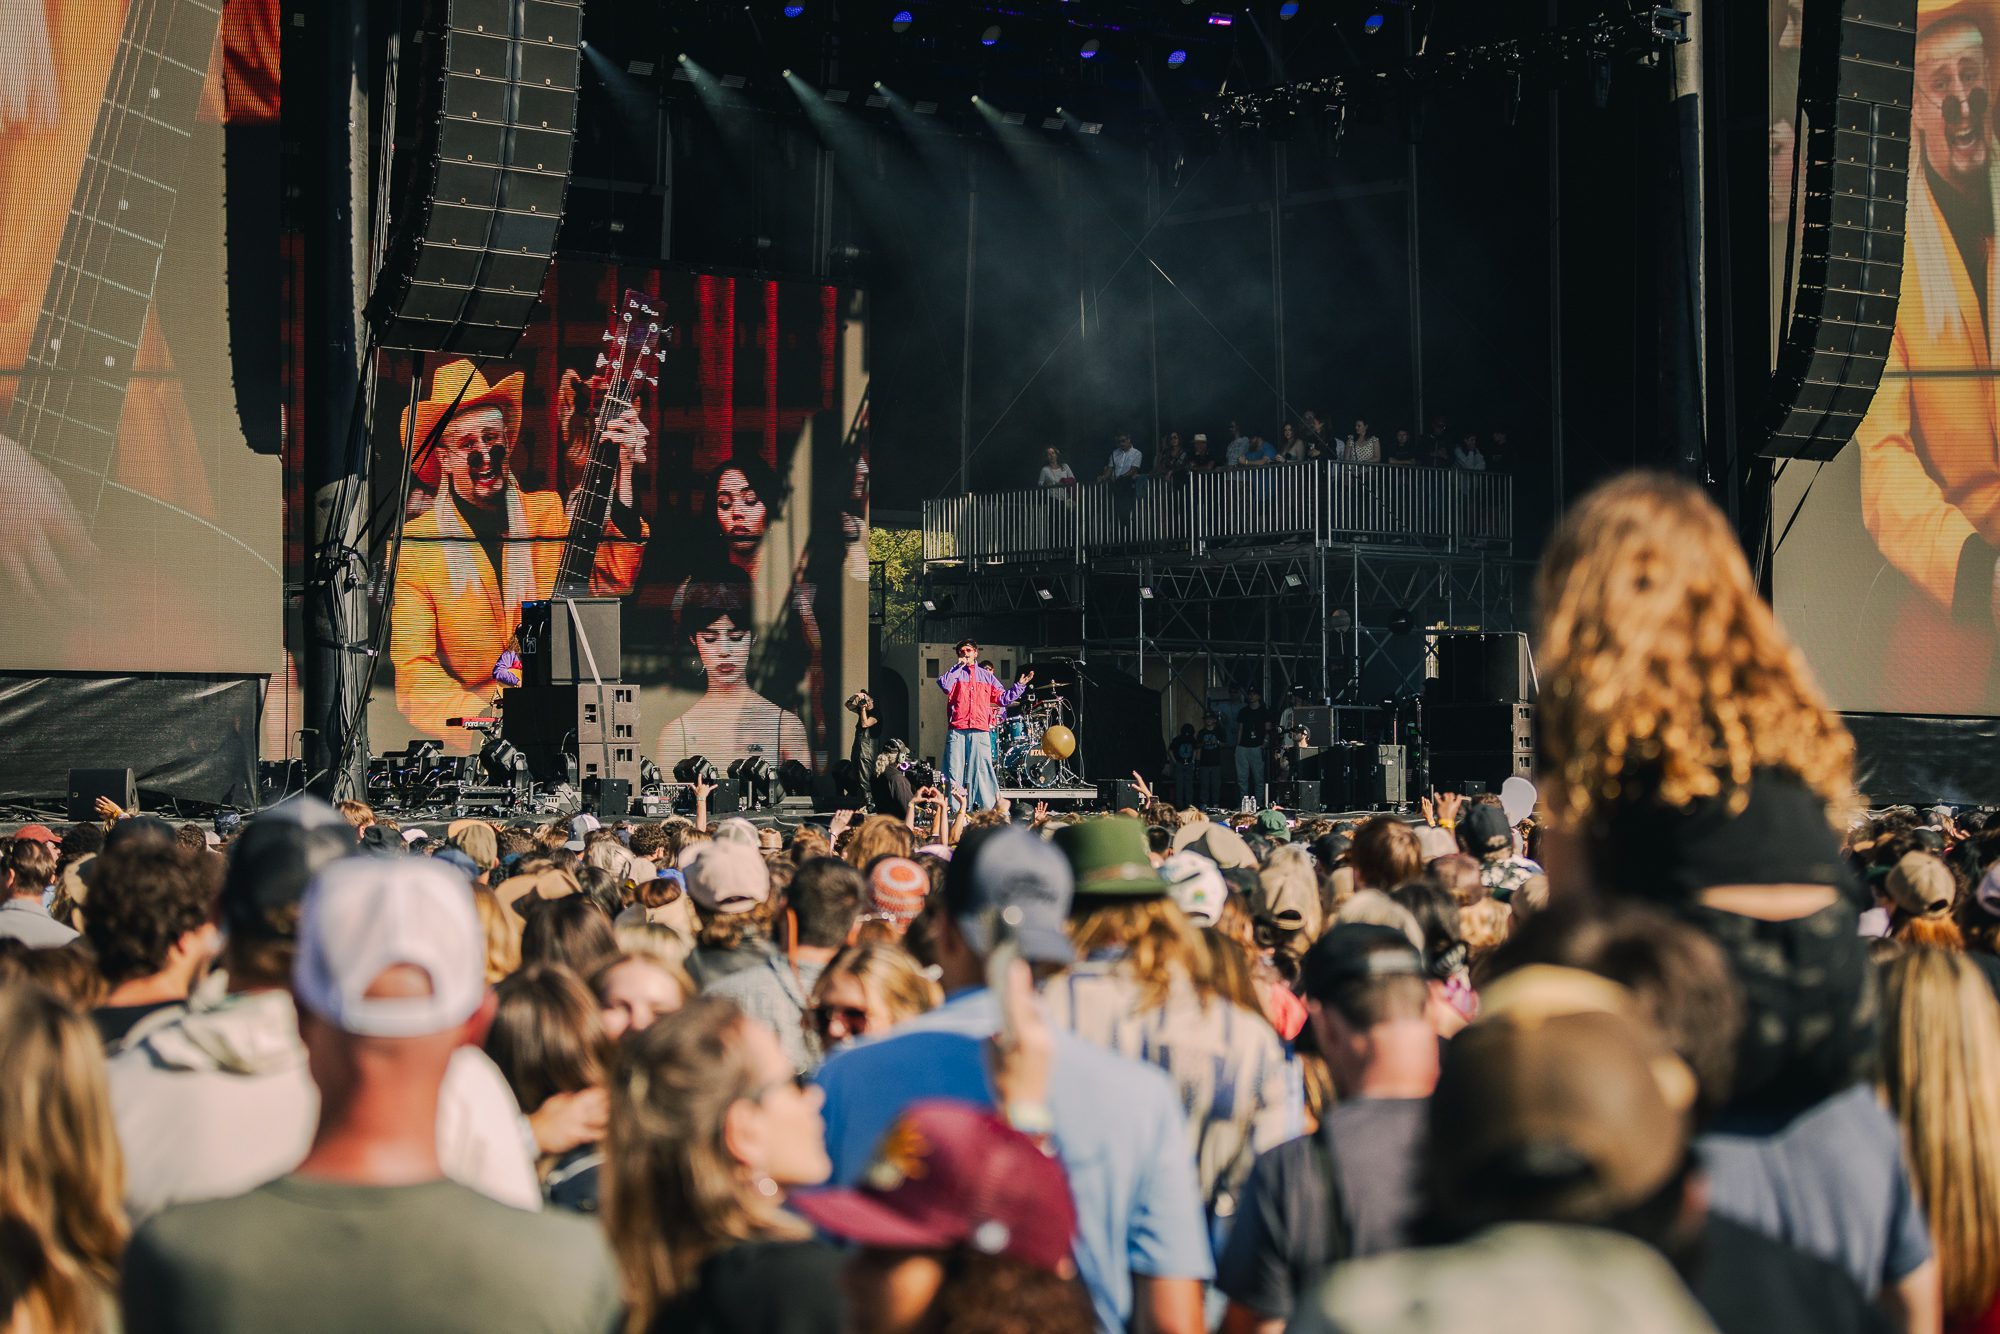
(1253, 733)
(1208, 766)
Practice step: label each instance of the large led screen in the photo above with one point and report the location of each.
(138, 202)
(735, 511)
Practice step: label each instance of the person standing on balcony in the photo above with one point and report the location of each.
(1054, 471)
(1498, 455)
(1199, 458)
(1253, 734)
(1292, 446)
(1468, 455)
(1320, 443)
(1364, 446)
(977, 701)
(1123, 472)
(1436, 445)
(1170, 464)
(1238, 452)
(1402, 450)
(1261, 452)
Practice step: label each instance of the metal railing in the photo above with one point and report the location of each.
(1322, 502)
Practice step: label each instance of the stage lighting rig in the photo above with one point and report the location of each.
(753, 777)
(696, 769)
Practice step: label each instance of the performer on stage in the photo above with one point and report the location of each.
(485, 546)
(978, 700)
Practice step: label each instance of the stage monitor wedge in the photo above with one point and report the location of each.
(1856, 81)
(476, 203)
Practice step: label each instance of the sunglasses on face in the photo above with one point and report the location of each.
(856, 1021)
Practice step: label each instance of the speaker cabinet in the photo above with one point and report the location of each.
(1457, 771)
(1300, 794)
(476, 205)
(607, 798)
(1118, 793)
(1855, 96)
(1481, 727)
(1484, 669)
(87, 785)
(554, 654)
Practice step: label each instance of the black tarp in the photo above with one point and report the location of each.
(1921, 759)
(191, 737)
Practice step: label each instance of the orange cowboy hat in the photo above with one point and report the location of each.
(446, 382)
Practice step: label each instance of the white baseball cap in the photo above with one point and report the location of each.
(365, 915)
(1197, 886)
(580, 829)
(736, 829)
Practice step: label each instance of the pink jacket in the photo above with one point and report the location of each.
(977, 698)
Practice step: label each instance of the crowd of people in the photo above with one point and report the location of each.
(1696, 1045)
(1311, 438)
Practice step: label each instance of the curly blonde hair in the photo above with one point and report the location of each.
(1660, 662)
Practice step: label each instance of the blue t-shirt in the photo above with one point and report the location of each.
(1831, 1182)
(1118, 1130)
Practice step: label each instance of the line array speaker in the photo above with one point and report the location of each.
(1856, 79)
(476, 206)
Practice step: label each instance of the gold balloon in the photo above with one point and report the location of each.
(1058, 743)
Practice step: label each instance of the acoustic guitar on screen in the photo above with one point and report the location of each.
(629, 360)
(80, 525)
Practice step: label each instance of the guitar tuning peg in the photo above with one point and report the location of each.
(626, 317)
(652, 328)
(603, 360)
(607, 335)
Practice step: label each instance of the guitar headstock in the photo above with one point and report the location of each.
(633, 355)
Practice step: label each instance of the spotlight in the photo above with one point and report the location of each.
(682, 58)
(753, 776)
(784, 74)
(902, 21)
(1289, 9)
(1293, 581)
(1145, 592)
(695, 768)
(991, 36)
(1059, 111)
(650, 777)
(1044, 591)
(1373, 23)
(975, 98)
(582, 44)
(503, 760)
(877, 84)
(1090, 49)
(1176, 59)
(793, 11)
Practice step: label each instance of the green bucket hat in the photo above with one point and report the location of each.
(1109, 857)
(1273, 824)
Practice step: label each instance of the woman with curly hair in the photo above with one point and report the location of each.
(1687, 756)
(61, 1171)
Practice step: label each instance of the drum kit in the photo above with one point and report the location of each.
(1036, 741)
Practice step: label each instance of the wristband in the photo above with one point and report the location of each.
(1030, 1118)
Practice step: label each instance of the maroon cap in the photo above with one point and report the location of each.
(949, 1174)
(40, 833)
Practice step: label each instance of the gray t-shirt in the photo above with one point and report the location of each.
(306, 1255)
(1831, 1182)
(1348, 1191)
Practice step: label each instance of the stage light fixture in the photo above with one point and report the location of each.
(650, 777)
(1012, 118)
(1373, 23)
(682, 58)
(642, 68)
(734, 81)
(582, 44)
(991, 36)
(1220, 20)
(1091, 127)
(1052, 122)
(784, 74)
(1090, 49)
(925, 108)
(695, 768)
(1145, 592)
(793, 11)
(902, 21)
(877, 85)
(1293, 581)
(1176, 58)
(836, 95)
(1289, 9)
(975, 99)
(877, 100)
(1044, 591)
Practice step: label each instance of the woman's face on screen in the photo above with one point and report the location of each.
(739, 511)
(724, 650)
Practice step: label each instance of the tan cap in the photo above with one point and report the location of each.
(1559, 1104)
(1921, 885)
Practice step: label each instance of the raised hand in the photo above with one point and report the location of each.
(630, 434)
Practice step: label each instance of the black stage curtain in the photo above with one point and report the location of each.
(190, 737)
(1923, 759)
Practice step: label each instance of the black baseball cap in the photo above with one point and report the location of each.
(274, 857)
(1006, 868)
(1484, 829)
(1357, 952)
